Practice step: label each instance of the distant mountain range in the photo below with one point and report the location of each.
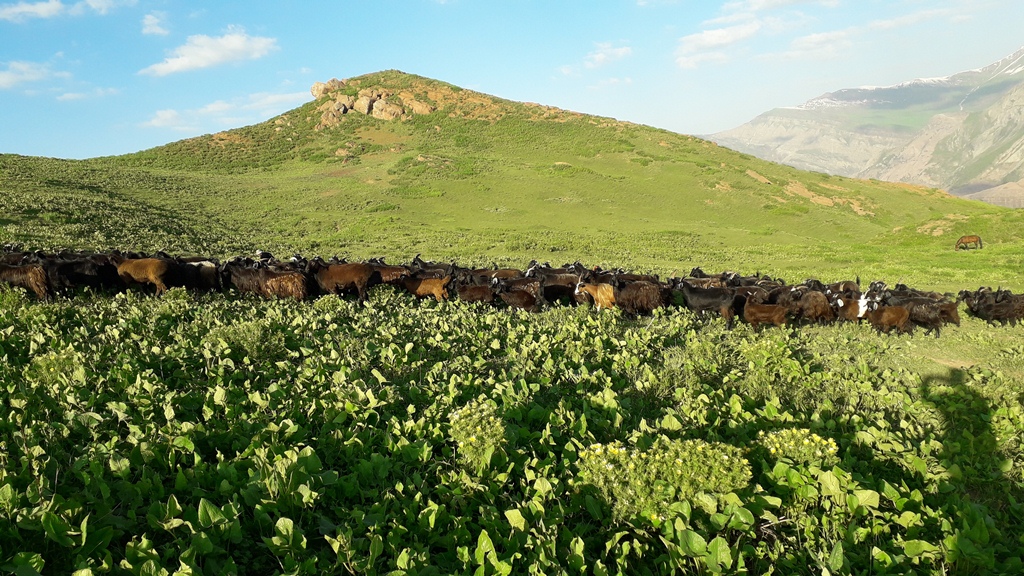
(963, 133)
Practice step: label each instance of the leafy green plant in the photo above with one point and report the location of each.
(799, 446)
(479, 432)
(647, 482)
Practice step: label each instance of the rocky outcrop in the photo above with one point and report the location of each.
(341, 97)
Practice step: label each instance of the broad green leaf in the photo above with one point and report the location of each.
(376, 547)
(829, 484)
(719, 554)
(836, 558)
(915, 548)
(209, 515)
(57, 529)
(671, 423)
(868, 498)
(692, 544)
(484, 546)
(515, 518)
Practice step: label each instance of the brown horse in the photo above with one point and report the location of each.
(966, 241)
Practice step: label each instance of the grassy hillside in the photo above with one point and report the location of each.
(482, 179)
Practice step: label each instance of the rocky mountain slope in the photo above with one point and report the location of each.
(963, 133)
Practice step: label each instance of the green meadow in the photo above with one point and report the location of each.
(483, 179)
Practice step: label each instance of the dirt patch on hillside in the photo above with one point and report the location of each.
(856, 206)
(942, 225)
(798, 189)
(758, 177)
(381, 137)
(723, 186)
(224, 138)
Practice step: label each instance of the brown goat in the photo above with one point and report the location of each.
(641, 298)
(757, 314)
(30, 276)
(814, 306)
(422, 287)
(337, 278)
(885, 318)
(286, 285)
(391, 274)
(602, 294)
(473, 293)
(159, 272)
(520, 299)
(850, 309)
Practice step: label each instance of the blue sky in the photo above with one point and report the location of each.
(97, 77)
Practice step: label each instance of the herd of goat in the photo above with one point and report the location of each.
(757, 299)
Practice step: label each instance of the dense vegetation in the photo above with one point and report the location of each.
(222, 435)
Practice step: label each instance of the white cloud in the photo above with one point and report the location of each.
(222, 114)
(95, 93)
(24, 10)
(695, 60)
(99, 6)
(606, 53)
(718, 38)
(22, 72)
(170, 119)
(202, 51)
(706, 46)
(760, 5)
(51, 8)
(153, 23)
(908, 19)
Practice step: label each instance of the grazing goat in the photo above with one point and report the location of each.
(702, 300)
(473, 293)
(160, 272)
(641, 298)
(814, 307)
(757, 314)
(885, 318)
(602, 294)
(30, 276)
(338, 278)
(422, 287)
(285, 284)
(520, 299)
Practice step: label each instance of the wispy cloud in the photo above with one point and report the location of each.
(26, 10)
(95, 93)
(738, 22)
(760, 5)
(222, 114)
(706, 46)
(24, 72)
(23, 11)
(171, 119)
(909, 19)
(153, 24)
(605, 54)
(202, 51)
(98, 6)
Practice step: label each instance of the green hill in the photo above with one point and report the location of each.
(452, 173)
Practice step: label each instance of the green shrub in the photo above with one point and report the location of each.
(478, 431)
(799, 446)
(637, 482)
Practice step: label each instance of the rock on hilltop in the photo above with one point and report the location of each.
(394, 95)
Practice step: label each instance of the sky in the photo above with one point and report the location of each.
(87, 78)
